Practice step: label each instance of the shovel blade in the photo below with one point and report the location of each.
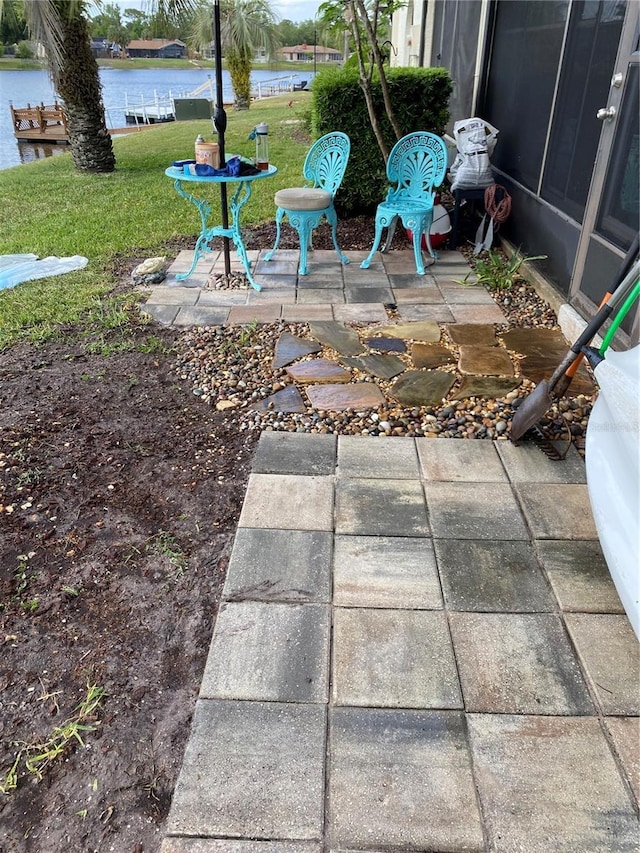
(531, 410)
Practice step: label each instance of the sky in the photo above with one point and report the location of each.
(292, 10)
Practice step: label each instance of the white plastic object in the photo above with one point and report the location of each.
(15, 272)
(612, 456)
(475, 141)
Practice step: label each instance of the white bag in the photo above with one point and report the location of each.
(475, 141)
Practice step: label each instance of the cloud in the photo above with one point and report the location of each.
(296, 10)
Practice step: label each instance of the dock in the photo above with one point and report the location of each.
(48, 124)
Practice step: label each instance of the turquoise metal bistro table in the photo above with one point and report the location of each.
(241, 196)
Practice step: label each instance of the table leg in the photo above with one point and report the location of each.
(202, 243)
(240, 197)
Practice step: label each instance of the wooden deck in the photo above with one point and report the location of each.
(48, 124)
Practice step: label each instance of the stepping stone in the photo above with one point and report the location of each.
(488, 387)
(544, 349)
(545, 342)
(381, 366)
(289, 347)
(430, 355)
(425, 330)
(318, 370)
(417, 388)
(336, 398)
(286, 400)
(386, 344)
(338, 337)
(473, 334)
(485, 361)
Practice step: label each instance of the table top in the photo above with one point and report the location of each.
(177, 173)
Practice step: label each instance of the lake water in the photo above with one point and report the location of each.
(119, 86)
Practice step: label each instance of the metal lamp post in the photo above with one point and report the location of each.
(220, 123)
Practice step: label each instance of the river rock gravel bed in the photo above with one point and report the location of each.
(229, 368)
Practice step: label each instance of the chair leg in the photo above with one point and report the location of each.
(304, 229)
(332, 218)
(279, 215)
(417, 250)
(391, 230)
(376, 242)
(427, 234)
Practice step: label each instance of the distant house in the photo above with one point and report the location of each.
(156, 49)
(305, 53)
(100, 47)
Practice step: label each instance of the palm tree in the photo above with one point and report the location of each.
(245, 27)
(62, 27)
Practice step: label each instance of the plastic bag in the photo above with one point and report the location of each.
(27, 268)
(475, 141)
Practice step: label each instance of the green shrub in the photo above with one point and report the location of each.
(24, 51)
(420, 97)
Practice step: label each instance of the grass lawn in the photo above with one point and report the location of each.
(51, 209)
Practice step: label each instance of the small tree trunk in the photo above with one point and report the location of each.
(77, 81)
(365, 82)
(377, 57)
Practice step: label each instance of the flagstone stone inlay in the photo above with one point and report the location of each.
(423, 330)
(386, 344)
(335, 398)
(290, 347)
(486, 361)
(473, 334)
(318, 370)
(337, 336)
(288, 399)
(380, 366)
(416, 388)
(490, 387)
(431, 355)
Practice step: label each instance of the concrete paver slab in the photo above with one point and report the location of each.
(263, 313)
(263, 763)
(223, 298)
(205, 316)
(230, 845)
(610, 655)
(550, 784)
(558, 510)
(295, 453)
(163, 314)
(382, 295)
(458, 295)
(173, 296)
(306, 313)
(280, 565)
(525, 463)
(625, 733)
(492, 576)
(268, 651)
(460, 461)
(360, 312)
(486, 511)
(385, 571)
(401, 779)
(393, 659)
(288, 502)
(412, 281)
(413, 295)
(437, 313)
(316, 296)
(579, 576)
(477, 313)
(380, 508)
(362, 457)
(517, 664)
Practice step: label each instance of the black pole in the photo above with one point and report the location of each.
(220, 121)
(315, 50)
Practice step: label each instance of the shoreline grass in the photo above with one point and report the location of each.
(50, 209)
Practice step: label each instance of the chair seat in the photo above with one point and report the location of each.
(303, 198)
(407, 205)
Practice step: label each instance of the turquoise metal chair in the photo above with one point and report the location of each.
(417, 164)
(325, 165)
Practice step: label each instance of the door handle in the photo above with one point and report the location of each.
(606, 113)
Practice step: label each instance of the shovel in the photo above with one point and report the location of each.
(541, 398)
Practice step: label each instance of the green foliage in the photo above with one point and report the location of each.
(24, 50)
(38, 757)
(497, 272)
(420, 97)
